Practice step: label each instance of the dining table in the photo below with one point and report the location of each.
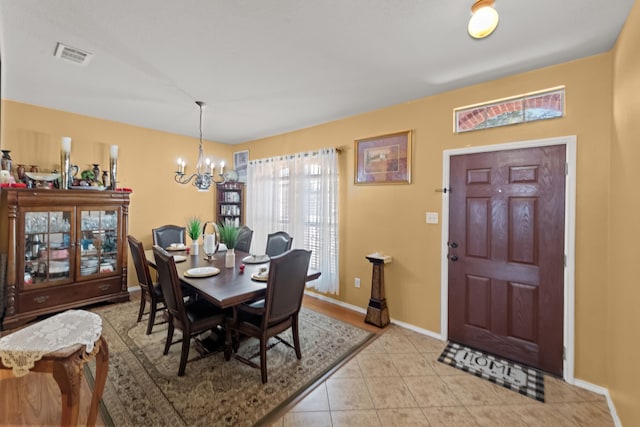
(227, 289)
(230, 287)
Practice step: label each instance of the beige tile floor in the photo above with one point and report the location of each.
(397, 381)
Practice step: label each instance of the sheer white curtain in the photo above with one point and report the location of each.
(298, 194)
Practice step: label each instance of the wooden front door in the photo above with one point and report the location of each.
(506, 254)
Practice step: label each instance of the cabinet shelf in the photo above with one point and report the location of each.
(59, 262)
(230, 203)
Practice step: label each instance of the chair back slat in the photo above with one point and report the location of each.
(168, 234)
(170, 283)
(140, 263)
(286, 283)
(245, 235)
(278, 243)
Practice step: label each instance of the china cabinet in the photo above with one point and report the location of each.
(230, 201)
(62, 249)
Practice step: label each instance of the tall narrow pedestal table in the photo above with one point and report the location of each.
(377, 312)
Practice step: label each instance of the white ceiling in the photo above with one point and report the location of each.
(266, 67)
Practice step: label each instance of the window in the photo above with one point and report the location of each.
(298, 194)
(547, 104)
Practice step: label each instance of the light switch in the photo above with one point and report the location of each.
(432, 217)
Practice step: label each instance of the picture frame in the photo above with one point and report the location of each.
(384, 159)
(240, 162)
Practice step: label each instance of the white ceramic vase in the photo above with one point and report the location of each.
(194, 248)
(230, 258)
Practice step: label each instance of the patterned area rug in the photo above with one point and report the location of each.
(143, 387)
(522, 379)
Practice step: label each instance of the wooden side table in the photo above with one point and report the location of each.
(66, 365)
(377, 312)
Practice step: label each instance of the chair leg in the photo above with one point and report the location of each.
(184, 355)
(142, 304)
(296, 337)
(263, 358)
(169, 336)
(152, 318)
(227, 342)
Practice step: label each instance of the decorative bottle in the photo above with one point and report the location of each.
(6, 161)
(21, 175)
(96, 172)
(230, 258)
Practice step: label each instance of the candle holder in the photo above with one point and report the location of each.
(113, 169)
(65, 166)
(210, 242)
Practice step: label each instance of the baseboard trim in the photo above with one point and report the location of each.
(578, 383)
(364, 311)
(335, 302)
(602, 391)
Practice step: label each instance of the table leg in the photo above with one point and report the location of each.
(67, 373)
(232, 338)
(102, 366)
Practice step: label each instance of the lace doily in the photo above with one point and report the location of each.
(22, 349)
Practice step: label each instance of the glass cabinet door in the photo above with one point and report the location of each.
(47, 238)
(98, 241)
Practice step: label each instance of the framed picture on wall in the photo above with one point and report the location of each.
(384, 159)
(240, 162)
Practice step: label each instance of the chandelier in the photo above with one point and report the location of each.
(204, 175)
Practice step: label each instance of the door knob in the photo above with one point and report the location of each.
(453, 245)
(453, 258)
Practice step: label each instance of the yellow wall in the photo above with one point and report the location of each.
(374, 218)
(145, 164)
(391, 218)
(623, 325)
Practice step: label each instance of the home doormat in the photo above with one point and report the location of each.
(521, 379)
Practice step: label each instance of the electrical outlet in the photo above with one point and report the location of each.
(357, 282)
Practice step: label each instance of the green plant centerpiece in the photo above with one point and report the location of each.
(228, 235)
(194, 228)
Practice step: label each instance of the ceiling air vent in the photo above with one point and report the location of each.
(72, 54)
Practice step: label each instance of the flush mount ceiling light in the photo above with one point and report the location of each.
(484, 19)
(204, 175)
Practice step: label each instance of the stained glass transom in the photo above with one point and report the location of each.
(542, 105)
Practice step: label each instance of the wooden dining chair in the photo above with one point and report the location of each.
(278, 243)
(245, 235)
(167, 234)
(192, 318)
(278, 311)
(150, 292)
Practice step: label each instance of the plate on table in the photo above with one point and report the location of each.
(179, 258)
(43, 176)
(261, 276)
(58, 267)
(87, 187)
(176, 247)
(202, 272)
(256, 259)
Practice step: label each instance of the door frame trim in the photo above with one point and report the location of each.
(569, 236)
